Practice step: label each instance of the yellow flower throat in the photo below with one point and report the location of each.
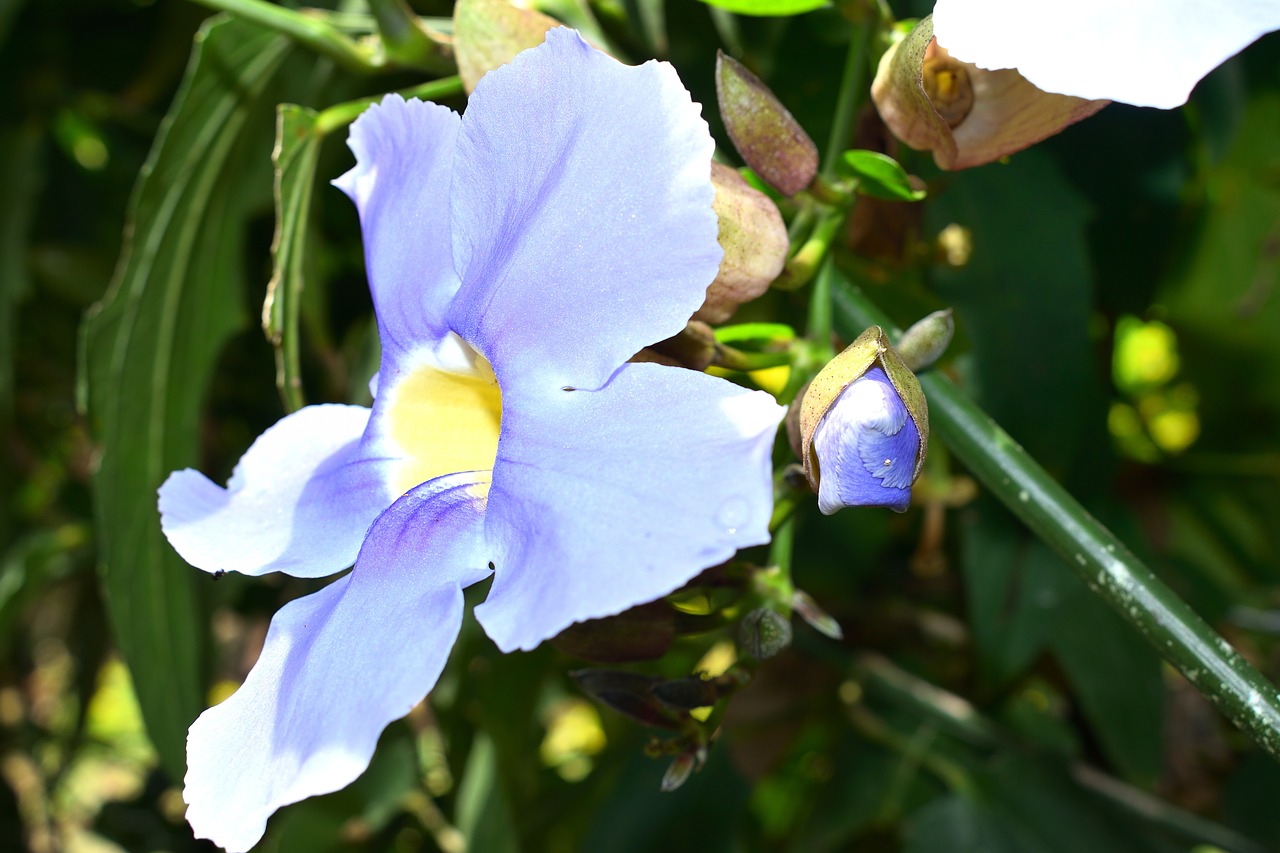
(445, 420)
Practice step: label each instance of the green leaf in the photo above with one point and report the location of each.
(878, 175)
(768, 8)
(296, 154)
(147, 352)
(483, 816)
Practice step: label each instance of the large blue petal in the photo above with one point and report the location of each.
(337, 667)
(583, 227)
(400, 184)
(602, 500)
(300, 500)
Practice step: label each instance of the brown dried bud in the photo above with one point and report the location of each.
(769, 139)
(490, 33)
(964, 114)
(754, 239)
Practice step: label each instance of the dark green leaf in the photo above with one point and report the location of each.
(878, 175)
(148, 350)
(1014, 585)
(1023, 300)
(1116, 678)
(959, 824)
(637, 817)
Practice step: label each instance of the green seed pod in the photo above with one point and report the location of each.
(926, 340)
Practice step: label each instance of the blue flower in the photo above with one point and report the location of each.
(518, 257)
(867, 446)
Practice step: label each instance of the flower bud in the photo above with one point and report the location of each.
(964, 114)
(629, 693)
(926, 340)
(754, 239)
(489, 33)
(692, 691)
(864, 428)
(764, 633)
(685, 764)
(770, 141)
(803, 605)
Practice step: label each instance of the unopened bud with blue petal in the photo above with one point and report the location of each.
(864, 428)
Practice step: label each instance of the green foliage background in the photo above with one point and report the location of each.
(1075, 735)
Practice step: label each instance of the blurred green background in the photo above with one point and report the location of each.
(1115, 293)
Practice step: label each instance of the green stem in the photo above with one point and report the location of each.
(405, 41)
(952, 713)
(310, 30)
(1178, 634)
(915, 752)
(339, 116)
(852, 85)
(783, 541)
(804, 263)
(731, 358)
(818, 329)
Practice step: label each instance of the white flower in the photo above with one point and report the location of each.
(1150, 53)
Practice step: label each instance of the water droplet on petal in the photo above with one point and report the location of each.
(732, 514)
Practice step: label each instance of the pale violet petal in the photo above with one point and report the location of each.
(602, 500)
(1144, 52)
(337, 667)
(299, 501)
(867, 446)
(583, 226)
(400, 184)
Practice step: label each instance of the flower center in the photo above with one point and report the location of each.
(446, 416)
